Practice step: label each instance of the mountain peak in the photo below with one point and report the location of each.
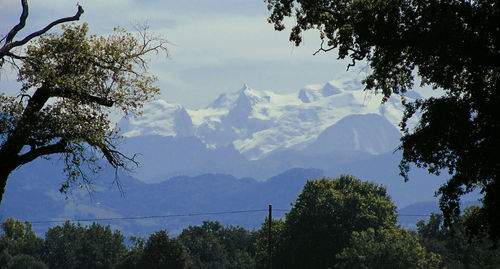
(259, 122)
(244, 87)
(329, 89)
(226, 100)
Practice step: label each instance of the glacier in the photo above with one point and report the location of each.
(261, 122)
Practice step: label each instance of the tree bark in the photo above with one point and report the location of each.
(5, 170)
(3, 183)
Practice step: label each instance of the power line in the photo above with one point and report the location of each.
(149, 217)
(414, 215)
(185, 215)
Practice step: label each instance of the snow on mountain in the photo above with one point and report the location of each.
(159, 118)
(258, 122)
(369, 133)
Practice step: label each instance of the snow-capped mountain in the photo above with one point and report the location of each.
(159, 118)
(259, 122)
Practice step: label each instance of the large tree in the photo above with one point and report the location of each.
(70, 82)
(321, 222)
(456, 247)
(386, 248)
(161, 251)
(18, 242)
(75, 246)
(212, 245)
(452, 45)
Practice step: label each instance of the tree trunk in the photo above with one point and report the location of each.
(4, 175)
(7, 165)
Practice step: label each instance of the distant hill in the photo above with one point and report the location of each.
(32, 195)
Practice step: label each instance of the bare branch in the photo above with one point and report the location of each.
(23, 96)
(22, 22)
(48, 27)
(10, 54)
(5, 50)
(114, 157)
(323, 49)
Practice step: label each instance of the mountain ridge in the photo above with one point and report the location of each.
(259, 122)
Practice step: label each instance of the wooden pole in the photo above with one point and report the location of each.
(269, 237)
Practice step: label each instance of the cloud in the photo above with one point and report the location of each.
(216, 45)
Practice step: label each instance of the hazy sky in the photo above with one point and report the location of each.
(215, 45)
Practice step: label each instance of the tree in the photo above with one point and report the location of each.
(163, 252)
(132, 258)
(24, 261)
(327, 211)
(452, 45)
(75, 246)
(18, 240)
(212, 245)
(70, 83)
(262, 243)
(457, 247)
(386, 248)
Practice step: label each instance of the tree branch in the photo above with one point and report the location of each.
(59, 147)
(48, 27)
(10, 45)
(85, 97)
(114, 157)
(10, 54)
(22, 22)
(98, 100)
(323, 49)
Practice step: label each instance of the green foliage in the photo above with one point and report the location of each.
(24, 261)
(386, 248)
(75, 246)
(457, 247)
(262, 243)
(18, 239)
(322, 220)
(131, 259)
(161, 251)
(213, 246)
(451, 45)
(71, 83)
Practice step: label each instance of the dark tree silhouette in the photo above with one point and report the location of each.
(70, 83)
(452, 45)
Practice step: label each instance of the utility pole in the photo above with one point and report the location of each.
(269, 237)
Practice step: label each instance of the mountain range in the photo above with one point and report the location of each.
(335, 121)
(245, 150)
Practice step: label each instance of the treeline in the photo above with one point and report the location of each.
(334, 223)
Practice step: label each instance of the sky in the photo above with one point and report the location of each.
(215, 46)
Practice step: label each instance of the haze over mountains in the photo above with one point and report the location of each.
(337, 119)
(258, 123)
(245, 150)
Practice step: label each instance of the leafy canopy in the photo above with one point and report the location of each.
(386, 248)
(71, 83)
(320, 224)
(76, 246)
(19, 245)
(212, 245)
(453, 45)
(455, 245)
